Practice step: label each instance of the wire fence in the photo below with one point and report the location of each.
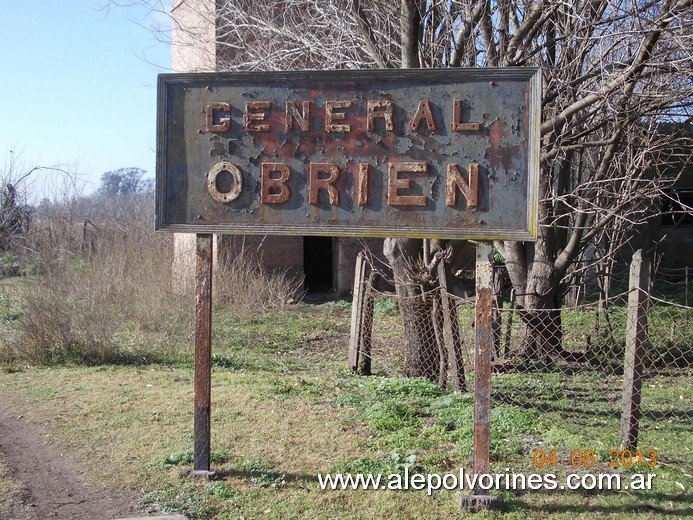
(570, 365)
(582, 338)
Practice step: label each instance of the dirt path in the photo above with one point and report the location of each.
(46, 484)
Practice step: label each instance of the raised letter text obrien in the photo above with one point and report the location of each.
(396, 183)
(331, 115)
(316, 183)
(274, 191)
(455, 181)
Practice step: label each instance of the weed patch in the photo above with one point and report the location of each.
(246, 288)
(287, 387)
(385, 307)
(114, 306)
(185, 458)
(190, 499)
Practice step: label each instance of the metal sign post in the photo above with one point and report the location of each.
(203, 354)
(483, 354)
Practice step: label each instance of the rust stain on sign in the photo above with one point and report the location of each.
(440, 153)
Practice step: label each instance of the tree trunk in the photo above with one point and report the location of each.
(416, 309)
(536, 281)
(541, 332)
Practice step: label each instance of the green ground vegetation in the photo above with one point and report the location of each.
(284, 409)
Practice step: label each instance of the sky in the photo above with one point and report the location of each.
(78, 86)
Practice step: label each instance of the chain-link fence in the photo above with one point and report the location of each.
(570, 366)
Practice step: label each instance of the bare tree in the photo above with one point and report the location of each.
(20, 187)
(14, 214)
(615, 72)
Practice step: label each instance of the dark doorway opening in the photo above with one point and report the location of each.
(317, 264)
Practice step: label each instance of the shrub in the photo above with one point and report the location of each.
(385, 307)
(247, 288)
(9, 265)
(104, 303)
(101, 290)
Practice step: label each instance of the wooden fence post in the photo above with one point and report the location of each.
(509, 325)
(365, 337)
(361, 302)
(451, 333)
(636, 337)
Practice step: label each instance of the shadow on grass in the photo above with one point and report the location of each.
(659, 415)
(125, 359)
(258, 475)
(648, 503)
(548, 404)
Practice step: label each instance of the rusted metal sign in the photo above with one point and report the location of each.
(447, 153)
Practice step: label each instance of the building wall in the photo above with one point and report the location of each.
(670, 246)
(289, 253)
(274, 252)
(346, 251)
(193, 36)
(675, 243)
(192, 50)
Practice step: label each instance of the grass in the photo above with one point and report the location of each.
(10, 490)
(284, 408)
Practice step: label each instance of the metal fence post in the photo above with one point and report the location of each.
(203, 353)
(636, 336)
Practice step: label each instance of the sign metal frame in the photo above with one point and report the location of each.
(398, 136)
